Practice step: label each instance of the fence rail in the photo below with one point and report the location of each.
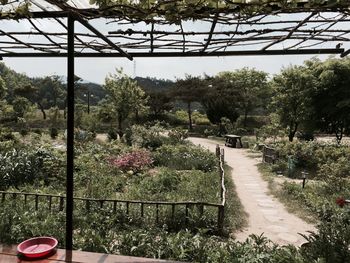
(57, 202)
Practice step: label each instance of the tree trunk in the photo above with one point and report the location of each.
(42, 110)
(292, 130)
(245, 118)
(189, 111)
(120, 128)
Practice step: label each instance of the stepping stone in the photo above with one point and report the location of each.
(288, 237)
(268, 211)
(273, 219)
(278, 229)
(267, 205)
(265, 200)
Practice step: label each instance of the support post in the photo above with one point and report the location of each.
(70, 133)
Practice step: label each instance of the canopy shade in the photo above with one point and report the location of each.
(176, 28)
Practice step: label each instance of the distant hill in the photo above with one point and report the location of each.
(154, 84)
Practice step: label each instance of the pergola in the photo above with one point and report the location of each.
(166, 28)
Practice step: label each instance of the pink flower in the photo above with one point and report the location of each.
(135, 161)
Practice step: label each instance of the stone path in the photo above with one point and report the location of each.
(266, 214)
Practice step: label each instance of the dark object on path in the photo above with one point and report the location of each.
(233, 141)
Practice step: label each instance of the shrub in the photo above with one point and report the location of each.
(134, 161)
(332, 241)
(6, 135)
(185, 157)
(150, 137)
(177, 136)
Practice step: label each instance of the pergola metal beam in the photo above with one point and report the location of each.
(70, 134)
(181, 54)
(103, 37)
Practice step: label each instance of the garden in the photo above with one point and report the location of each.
(142, 189)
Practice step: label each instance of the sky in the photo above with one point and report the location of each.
(95, 70)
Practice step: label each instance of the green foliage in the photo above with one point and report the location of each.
(331, 243)
(291, 100)
(124, 97)
(331, 96)
(149, 137)
(26, 166)
(185, 157)
(321, 160)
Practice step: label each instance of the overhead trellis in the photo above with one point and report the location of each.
(176, 28)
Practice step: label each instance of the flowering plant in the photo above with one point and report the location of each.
(134, 161)
(340, 201)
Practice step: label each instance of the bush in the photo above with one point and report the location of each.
(134, 161)
(149, 137)
(332, 241)
(185, 157)
(6, 135)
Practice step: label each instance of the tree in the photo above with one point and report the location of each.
(220, 100)
(331, 96)
(251, 86)
(31, 93)
(189, 90)
(291, 98)
(159, 102)
(124, 97)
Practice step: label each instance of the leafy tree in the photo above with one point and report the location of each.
(220, 100)
(189, 90)
(31, 93)
(20, 106)
(251, 86)
(291, 98)
(331, 98)
(124, 97)
(159, 102)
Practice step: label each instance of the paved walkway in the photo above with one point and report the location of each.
(266, 214)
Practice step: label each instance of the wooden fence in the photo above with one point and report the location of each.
(57, 203)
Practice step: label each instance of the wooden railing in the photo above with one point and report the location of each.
(269, 155)
(220, 153)
(186, 209)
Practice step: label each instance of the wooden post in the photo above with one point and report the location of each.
(141, 209)
(36, 202)
(127, 208)
(201, 210)
(50, 203)
(114, 206)
(186, 217)
(87, 205)
(173, 211)
(217, 150)
(157, 213)
(221, 217)
(61, 203)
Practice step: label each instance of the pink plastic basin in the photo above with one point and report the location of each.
(37, 247)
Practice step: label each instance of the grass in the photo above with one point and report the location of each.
(275, 187)
(235, 218)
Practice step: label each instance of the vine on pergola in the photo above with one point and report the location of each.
(230, 26)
